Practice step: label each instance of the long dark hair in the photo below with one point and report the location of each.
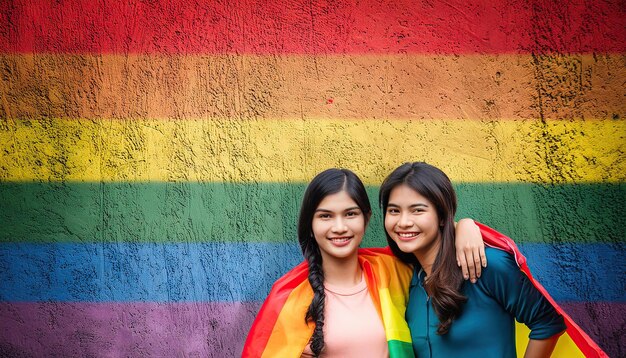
(328, 182)
(445, 281)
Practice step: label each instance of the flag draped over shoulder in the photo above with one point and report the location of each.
(280, 330)
(574, 342)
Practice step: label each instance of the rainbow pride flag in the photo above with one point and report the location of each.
(153, 153)
(280, 330)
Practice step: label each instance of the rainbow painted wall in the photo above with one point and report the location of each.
(153, 153)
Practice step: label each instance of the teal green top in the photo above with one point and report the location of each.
(486, 326)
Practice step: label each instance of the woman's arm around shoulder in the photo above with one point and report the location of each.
(470, 249)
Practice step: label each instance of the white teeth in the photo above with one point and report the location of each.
(405, 234)
(340, 240)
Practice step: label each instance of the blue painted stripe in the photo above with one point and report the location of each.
(245, 272)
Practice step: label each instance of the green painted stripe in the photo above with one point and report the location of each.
(267, 212)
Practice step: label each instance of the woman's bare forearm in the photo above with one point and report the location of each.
(540, 348)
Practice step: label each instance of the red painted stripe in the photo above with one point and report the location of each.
(312, 27)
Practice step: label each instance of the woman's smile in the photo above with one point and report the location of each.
(340, 241)
(407, 236)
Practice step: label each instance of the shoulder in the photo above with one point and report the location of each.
(501, 267)
(385, 267)
(500, 277)
(283, 311)
(382, 256)
(500, 261)
(292, 278)
(376, 251)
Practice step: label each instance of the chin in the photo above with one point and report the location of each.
(343, 254)
(406, 248)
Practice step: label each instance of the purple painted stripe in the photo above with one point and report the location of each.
(139, 329)
(604, 322)
(190, 329)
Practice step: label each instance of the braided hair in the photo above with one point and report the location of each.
(328, 182)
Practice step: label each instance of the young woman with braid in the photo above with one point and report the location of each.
(342, 301)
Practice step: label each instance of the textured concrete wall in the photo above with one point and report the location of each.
(153, 154)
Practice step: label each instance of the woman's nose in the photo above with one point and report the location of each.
(339, 225)
(405, 220)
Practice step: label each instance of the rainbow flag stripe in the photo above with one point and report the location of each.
(178, 26)
(102, 150)
(419, 87)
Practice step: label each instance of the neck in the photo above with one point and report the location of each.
(426, 256)
(342, 271)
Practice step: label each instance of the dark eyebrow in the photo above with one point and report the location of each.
(412, 206)
(329, 211)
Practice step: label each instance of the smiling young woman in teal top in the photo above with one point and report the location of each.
(502, 294)
(446, 316)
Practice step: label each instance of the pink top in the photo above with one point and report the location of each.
(352, 326)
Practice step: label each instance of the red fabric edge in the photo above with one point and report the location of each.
(494, 239)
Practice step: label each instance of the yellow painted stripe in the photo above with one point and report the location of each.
(510, 86)
(295, 150)
(565, 347)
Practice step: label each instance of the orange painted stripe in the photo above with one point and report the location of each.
(476, 87)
